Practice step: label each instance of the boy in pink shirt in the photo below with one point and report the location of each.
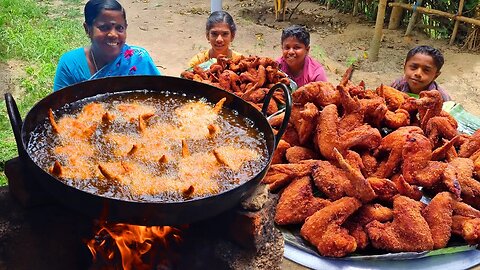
(295, 61)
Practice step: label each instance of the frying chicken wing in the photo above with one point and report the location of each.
(131, 111)
(234, 157)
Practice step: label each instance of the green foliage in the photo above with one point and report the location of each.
(439, 27)
(36, 33)
(367, 8)
(351, 60)
(318, 53)
(435, 27)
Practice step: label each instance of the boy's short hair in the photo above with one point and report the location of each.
(298, 32)
(427, 50)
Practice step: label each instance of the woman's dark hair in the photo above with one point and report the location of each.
(427, 50)
(221, 17)
(94, 7)
(298, 32)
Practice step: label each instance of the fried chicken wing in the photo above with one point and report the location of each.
(439, 127)
(323, 229)
(319, 93)
(470, 188)
(370, 163)
(361, 188)
(326, 137)
(416, 154)
(392, 146)
(471, 145)
(393, 97)
(409, 231)
(363, 137)
(297, 202)
(370, 212)
(366, 214)
(450, 181)
(384, 189)
(429, 105)
(291, 135)
(438, 214)
(330, 180)
(396, 119)
(463, 209)
(468, 228)
(405, 189)
(279, 153)
(280, 175)
(296, 154)
(447, 150)
(307, 123)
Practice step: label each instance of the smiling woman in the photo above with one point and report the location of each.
(108, 55)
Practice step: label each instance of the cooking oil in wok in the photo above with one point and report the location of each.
(149, 146)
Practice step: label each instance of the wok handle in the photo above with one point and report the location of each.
(288, 108)
(16, 122)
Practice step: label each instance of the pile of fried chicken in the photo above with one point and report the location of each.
(354, 163)
(247, 77)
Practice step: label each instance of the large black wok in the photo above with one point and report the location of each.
(146, 213)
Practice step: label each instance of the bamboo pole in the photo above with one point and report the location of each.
(455, 28)
(438, 13)
(413, 19)
(293, 11)
(377, 37)
(355, 8)
(396, 16)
